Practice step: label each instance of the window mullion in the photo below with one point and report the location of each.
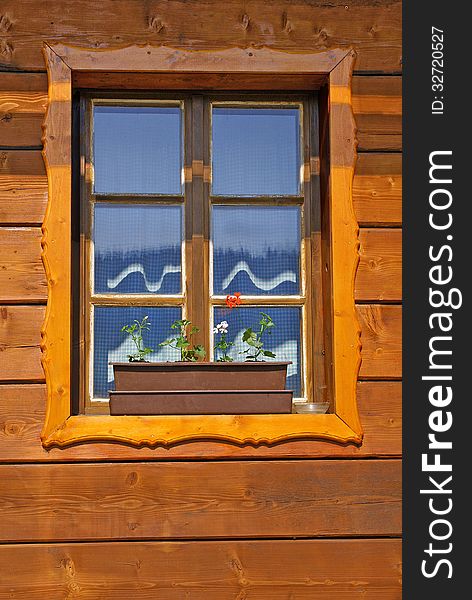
(197, 235)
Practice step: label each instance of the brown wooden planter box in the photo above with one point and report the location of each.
(200, 402)
(175, 376)
(184, 388)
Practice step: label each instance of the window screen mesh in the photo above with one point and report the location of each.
(137, 150)
(256, 250)
(284, 341)
(137, 248)
(255, 151)
(111, 345)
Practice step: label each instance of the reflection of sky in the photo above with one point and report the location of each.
(255, 151)
(110, 344)
(137, 149)
(284, 340)
(136, 227)
(137, 248)
(256, 250)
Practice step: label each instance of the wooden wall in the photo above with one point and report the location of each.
(201, 521)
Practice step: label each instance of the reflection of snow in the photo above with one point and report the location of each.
(113, 282)
(262, 284)
(285, 351)
(120, 354)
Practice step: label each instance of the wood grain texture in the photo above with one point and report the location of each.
(321, 569)
(22, 411)
(377, 189)
(19, 343)
(376, 104)
(381, 341)
(61, 428)
(200, 500)
(20, 327)
(379, 276)
(23, 187)
(373, 28)
(21, 115)
(22, 275)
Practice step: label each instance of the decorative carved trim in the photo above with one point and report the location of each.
(62, 429)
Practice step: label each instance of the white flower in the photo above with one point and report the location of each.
(221, 327)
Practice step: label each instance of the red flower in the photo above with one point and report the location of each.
(233, 300)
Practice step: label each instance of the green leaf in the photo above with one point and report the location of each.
(182, 343)
(200, 351)
(268, 353)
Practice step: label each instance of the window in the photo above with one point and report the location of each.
(142, 212)
(309, 195)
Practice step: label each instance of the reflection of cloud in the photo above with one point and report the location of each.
(113, 282)
(285, 351)
(256, 230)
(120, 354)
(259, 282)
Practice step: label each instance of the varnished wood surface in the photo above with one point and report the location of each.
(255, 570)
(19, 343)
(381, 341)
(376, 188)
(21, 270)
(61, 428)
(376, 105)
(22, 277)
(20, 326)
(201, 500)
(374, 29)
(22, 417)
(379, 276)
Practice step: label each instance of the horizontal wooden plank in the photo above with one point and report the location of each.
(321, 569)
(373, 29)
(376, 190)
(20, 327)
(376, 107)
(379, 276)
(378, 164)
(23, 187)
(22, 413)
(23, 99)
(23, 199)
(19, 343)
(23, 163)
(381, 340)
(22, 276)
(200, 500)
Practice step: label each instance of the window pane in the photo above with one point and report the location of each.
(284, 341)
(111, 345)
(137, 150)
(256, 250)
(137, 249)
(255, 151)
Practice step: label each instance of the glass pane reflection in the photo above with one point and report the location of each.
(137, 248)
(255, 151)
(256, 250)
(284, 340)
(111, 345)
(137, 150)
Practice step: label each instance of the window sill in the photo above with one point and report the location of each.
(155, 431)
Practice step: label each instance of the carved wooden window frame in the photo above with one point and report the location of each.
(333, 69)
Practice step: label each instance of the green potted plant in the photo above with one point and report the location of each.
(192, 386)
